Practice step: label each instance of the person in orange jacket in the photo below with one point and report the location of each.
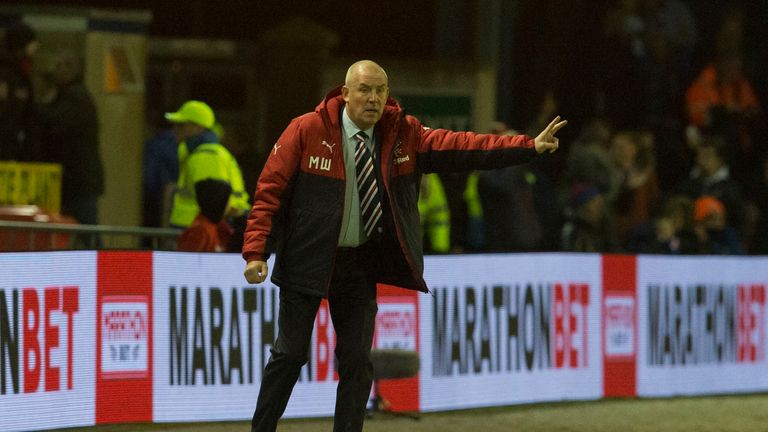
(209, 231)
(721, 85)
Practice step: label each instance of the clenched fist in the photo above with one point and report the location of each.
(256, 272)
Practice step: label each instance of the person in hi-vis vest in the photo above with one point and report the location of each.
(201, 157)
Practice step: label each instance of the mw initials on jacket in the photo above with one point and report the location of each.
(318, 162)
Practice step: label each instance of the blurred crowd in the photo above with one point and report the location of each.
(60, 126)
(672, 160)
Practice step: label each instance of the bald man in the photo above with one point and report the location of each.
(337, 203)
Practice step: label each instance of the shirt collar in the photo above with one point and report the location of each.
(350, 128)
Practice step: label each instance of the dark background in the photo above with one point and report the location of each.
(543, 44)
(386, 28)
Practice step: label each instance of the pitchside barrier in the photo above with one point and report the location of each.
(106, 337)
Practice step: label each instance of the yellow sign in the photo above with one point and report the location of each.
(31, 183)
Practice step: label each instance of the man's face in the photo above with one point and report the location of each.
(714, 221)
(61, 71)
(365, 95)
(31, 48)
(708, 160)
(624, 151)
(185, 130)
(593, 210)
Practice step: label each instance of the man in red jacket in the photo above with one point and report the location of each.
(337, 203)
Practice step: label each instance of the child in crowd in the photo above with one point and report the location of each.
(209, 231)
(716, 237)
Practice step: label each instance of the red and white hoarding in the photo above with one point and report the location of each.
(702, 325)
(91, 338)
(47, 340)
(508, 329)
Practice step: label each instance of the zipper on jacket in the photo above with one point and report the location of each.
(403, 246)
(328, 125)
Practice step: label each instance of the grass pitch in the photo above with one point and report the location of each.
(743, 413)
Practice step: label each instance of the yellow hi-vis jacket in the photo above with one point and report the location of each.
(434, 212)
(210, 160)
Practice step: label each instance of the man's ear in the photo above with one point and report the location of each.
(345, 93)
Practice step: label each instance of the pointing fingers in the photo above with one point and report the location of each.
(555, 125)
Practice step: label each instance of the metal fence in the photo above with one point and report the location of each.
(35, 236)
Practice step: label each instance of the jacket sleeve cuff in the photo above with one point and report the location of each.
(255, 256)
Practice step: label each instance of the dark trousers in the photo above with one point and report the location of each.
(352, 302)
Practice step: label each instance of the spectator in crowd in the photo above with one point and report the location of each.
(589, 160)
(435, 215)
(672, 34)
(209, 231)
(234, 138)
(721, 99)
(201, 157)
(464, 201)
(518, 209)
(725, 99)
(589, 228)
(711, 176)
(476, 239)
(670, 232)
(454, 184)
(466, 226)
(160, 172)
(237, 138)
(715, 236)
(647, 56)
(18, 138)
(721, 89)
(71, 137)
(638, 191)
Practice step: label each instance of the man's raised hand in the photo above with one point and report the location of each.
(546, 140)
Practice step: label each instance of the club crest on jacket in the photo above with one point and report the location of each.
(399, 158)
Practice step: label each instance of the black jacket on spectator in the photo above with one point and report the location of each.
(17, 111)
(71, 138)
(518, 209)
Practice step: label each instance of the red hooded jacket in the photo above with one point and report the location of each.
(297, 209)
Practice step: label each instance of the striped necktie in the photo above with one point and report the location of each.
(370, 203)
